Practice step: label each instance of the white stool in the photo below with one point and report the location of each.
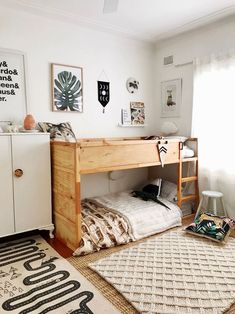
(212, 202)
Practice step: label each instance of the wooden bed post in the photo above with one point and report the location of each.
(78, 192)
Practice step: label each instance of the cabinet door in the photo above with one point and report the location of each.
(32, 191)
(6, 188)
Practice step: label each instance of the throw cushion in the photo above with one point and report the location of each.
(210, 226)
(154, 187)
(61, 131)
(169, 191)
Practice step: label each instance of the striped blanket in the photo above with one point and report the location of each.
(119, 218)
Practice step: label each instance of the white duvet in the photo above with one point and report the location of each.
(145, 217)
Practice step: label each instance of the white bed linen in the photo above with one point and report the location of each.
(145, 217)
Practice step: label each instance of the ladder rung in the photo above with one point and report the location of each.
(188, 198)
(189, 159)
(189, 179)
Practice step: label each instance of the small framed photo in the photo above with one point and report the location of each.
(67, 88)
(171, 98)
(137, 113)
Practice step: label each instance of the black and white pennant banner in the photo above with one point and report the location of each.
(103, 93)
(162, 149)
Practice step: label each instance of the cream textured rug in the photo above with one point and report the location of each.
(175, 273)
(34, 278)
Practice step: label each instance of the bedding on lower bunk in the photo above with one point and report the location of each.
(119, 218)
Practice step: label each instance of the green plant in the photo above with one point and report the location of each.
(67, 91)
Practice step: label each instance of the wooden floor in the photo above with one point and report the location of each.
(61, 248)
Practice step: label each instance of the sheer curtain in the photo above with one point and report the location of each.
(214, 124)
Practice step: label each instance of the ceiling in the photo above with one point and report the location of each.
(148, 20)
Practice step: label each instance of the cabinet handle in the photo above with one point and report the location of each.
(19, 173)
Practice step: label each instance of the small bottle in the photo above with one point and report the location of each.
(29, 122)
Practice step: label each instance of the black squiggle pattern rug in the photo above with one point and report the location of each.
(34, 278)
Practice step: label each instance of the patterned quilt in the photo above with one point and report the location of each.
(119, 218)
(101, 228)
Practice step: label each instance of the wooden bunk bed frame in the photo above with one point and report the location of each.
(70, 160)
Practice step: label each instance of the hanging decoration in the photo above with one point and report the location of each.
(162, 149)
(132, 85)
(103, 93)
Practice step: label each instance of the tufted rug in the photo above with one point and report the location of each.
(34, 278)
(175, 273)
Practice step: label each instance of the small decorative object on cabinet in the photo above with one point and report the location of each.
(29, 122)
(25, 194)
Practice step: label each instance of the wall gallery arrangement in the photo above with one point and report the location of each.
(67, 88)
(171, 98)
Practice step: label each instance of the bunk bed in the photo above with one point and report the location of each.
(70, 160)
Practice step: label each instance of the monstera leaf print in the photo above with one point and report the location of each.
(67, 92)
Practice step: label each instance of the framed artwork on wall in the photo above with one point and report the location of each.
(67, 88)
(137, 113)
(171, 98)
(13, 97)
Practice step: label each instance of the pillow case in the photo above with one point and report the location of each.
(169, 191)
(61, 131)
(211, 226)
(187, 152)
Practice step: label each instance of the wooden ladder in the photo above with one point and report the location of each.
(182, 179)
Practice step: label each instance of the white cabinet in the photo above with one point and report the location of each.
(25, 183)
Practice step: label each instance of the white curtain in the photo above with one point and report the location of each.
(214, 124)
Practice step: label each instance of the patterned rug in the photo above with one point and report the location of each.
(34, 278)
(175, 273)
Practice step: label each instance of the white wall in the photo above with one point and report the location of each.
(214, 38)
(51, 41)
(48, 41)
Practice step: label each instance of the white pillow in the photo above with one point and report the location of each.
(187, 152)
(169, 190)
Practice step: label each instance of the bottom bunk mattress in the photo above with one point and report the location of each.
(119, 218)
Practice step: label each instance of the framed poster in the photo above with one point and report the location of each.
(171, 98)
(67, 88)
(137, 113)
(13, 98)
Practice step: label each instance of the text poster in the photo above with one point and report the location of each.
(12, 86)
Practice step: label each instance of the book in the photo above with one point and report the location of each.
(126, 117)
(137, 113)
